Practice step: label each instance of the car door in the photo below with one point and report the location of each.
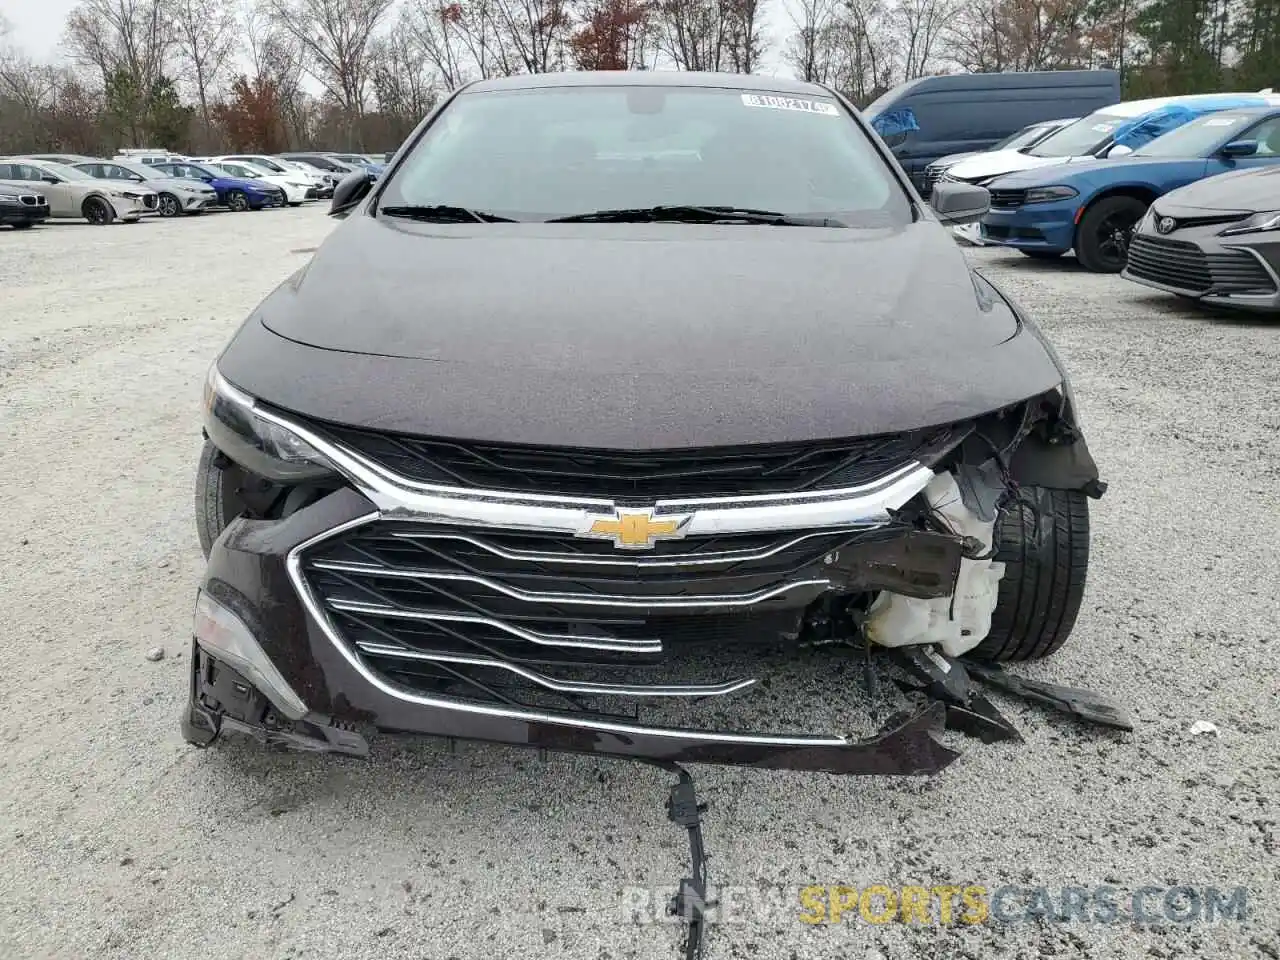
(63, 200)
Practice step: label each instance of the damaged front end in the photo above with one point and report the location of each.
(382, 599)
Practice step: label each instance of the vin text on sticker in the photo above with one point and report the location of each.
(790, 103)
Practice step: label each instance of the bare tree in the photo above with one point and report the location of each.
(134, 36)
(277, 61)
(334, 36)
(921, 24)
(806, 51)
(535, 30)
(206, 37)
(692, 33)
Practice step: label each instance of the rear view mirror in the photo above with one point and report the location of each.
(49, 178)
(1240, 148)
(957, 203)
(350, 190)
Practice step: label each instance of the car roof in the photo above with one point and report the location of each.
(648, 78)
(1135, 108)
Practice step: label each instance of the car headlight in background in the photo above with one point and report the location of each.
(8, 198)
(1050, 194)
(1268, 220)
(232, 422)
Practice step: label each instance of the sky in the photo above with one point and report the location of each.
(38, 24)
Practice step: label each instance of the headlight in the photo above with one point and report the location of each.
(1050, 194)
(1258, 223)
(301, 186)
(232, 422)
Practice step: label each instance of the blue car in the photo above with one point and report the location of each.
(233, 192)
(1094, 206)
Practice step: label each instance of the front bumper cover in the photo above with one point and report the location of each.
(249, 572)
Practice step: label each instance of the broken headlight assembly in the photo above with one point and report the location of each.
(233, 424)
(1267, 221)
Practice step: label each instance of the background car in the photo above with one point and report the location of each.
(1093, 207)
(1216, 240)
(930, 117)
(74, 195)
(1107, 133)
(1028, 136)
(234, 193)
(70, 159)
(296, 188)
(21, 208)
(271, 164)
(360, 162)
(176, 195)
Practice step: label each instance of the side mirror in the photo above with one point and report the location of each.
(49, 178)
(1240, 148)
(350, 190)
(207, 179)
(1119, 150)
(958, 203)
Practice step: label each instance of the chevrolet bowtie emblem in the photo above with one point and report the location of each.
(636, 529)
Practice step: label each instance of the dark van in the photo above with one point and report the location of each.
(929, 117)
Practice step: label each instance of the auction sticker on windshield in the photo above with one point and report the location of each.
(790, 103)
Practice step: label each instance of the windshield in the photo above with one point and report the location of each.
(266, 165)
(204, 171)
(1081, 138)
(1195, 139)
(1022, 137)
(64, 172)
(141, 169)
(554, 152)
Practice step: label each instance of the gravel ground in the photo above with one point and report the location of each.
(118, 839)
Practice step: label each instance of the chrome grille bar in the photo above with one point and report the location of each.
(562, 686)
(704, 602)
(535, 637)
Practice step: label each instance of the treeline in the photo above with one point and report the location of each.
(209, 75)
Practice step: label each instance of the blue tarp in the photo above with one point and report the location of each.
(1140, 131)
(893, 122)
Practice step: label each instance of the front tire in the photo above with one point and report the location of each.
(237, 201)
(1102, 238)
(97, 211)
(1041, 254)
(169, 205)
(1043, 540)
(218, 500)
(295, 203)
(22, 226)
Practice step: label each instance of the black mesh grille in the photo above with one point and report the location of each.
(1008, 199)
(1185, 266)
(651, 474)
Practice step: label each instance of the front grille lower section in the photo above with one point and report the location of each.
(650, 474)
(1185, 266)
(149, 201)
(556, 623)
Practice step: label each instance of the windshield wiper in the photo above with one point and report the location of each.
(444, 213)
(682, 213)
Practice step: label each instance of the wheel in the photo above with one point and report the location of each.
(97, 211)
(169, 205)
(1043, 540)
(218, 483)
(1041, 254)
(22, 226)
(1102, 238)
(295, 203)
(237, 201)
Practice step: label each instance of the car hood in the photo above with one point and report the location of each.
(996, 163)
(123, 185)
(235, 183)
(951, 159)
(1241, 190)
(179, 183)
(1120, 170)
(636, 335)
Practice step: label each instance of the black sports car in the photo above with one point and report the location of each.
(1216, 240)
(611, 384)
